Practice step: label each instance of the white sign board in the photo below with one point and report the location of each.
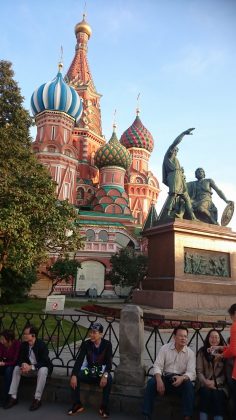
(55, 303)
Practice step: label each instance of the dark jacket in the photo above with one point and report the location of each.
(41, 354)
(94, 356)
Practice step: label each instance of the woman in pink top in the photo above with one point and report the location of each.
(228, 352)
(9, 352)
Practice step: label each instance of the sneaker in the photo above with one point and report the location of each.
(76, 408)
(103, 412)
(11, 402)
(35, 405)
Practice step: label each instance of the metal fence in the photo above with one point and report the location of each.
(161, 332)
(64, 334)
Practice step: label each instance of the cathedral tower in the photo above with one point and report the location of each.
(140, 184)
(88, 132)
(57, 107)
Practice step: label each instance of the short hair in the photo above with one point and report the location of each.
(32, 329)
(96, 326)
(180, 327)
(200, 169)
(9, 335)
(232, 309)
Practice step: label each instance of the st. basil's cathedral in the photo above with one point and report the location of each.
(109, 182)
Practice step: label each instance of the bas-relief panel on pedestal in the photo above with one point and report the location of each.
(208, 263)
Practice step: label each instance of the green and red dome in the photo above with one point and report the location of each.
(137, 136)
(113, 154)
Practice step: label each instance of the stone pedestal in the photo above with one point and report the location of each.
(130, 373)
(191, 265)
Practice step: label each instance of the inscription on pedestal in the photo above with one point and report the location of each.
(208, 263)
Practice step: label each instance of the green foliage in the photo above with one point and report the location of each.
(63, 269)
(128, 267)
(14, 286)
(32, 221)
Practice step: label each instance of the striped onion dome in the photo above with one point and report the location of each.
(137, 136)
(113, 154)
(57, 96)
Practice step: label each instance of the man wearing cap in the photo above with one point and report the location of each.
(93, 366)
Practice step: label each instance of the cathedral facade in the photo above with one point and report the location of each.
(108, 182)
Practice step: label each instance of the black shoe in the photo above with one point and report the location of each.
(11, 402)
(103, 412)
(35, 405)
(76, 408)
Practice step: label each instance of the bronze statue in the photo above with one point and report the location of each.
(200, 192)
(173, 177)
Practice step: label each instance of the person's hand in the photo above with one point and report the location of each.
(2, 363)
(103, 382)
(210, 384)
(189, 131)
(215, 350)
(177, 380)
(25, 368)
(73, 381)
(160, 386)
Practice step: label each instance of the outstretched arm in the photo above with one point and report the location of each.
(219, 192)
(180, 137)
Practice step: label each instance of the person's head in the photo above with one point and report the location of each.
(7, 337)
(180, 336)
(200, 173)
(232, 312)
(213, 338)
(30, 334)
(96, 332)
(174, 151)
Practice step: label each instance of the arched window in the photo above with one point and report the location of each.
(53, 133)
(90, 235)
(103, 235)
(80, 193)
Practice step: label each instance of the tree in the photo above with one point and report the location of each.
(32, 221)
(63, 269)
(128, 268)
(15, 286)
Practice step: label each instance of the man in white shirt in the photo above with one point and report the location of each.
(174, 372)
(33, 361)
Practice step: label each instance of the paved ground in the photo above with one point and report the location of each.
(56, 411)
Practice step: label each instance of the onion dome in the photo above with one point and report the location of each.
(113, 154)
(137, 136)
(57, 96)
(83, 26)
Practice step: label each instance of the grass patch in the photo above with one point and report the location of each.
(53, 329)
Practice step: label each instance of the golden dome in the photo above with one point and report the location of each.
(83, 26)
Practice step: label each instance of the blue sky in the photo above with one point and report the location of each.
(179, 54)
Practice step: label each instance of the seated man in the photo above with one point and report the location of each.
(93, 366)
(33, 361)
(200, 192)
(174, 370)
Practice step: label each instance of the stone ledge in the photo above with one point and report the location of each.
(121, 400)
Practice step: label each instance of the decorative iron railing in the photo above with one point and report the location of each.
(65, 333)
(159, 331)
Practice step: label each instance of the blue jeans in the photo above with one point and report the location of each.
(233, 395)
(212, 401)
(82, 377)
(185, 391)
(6, 372)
